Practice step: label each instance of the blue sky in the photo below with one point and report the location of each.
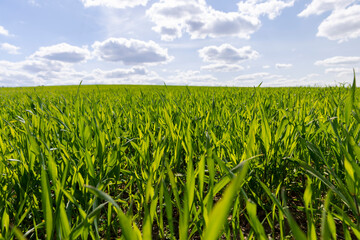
(179, 42)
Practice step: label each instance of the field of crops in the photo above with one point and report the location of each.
(160, 162)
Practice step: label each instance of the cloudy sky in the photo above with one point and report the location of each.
(179, 42)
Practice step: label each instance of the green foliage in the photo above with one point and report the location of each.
(162, 162)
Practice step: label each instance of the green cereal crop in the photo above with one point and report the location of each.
(165, 162)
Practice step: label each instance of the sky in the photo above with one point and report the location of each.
(179, 42)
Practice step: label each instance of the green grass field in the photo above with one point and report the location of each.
(142, 162)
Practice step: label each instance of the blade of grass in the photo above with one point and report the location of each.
(220, 212)
(125, 222)
(47, 205)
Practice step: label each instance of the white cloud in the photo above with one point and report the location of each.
(114, 3)
(192, 78)
(15, 79)
(199, 20)
(267, 79)
(317, 7)
(251, 77)
(227, 53)
(67, 76)
(53, 65)
(342, 24)
(220, 67)
(9, 48)
(131, 51)
(45, 72)
(266, 67)
(134, 75)
(122, 73)
(311, 79)
(63, 52)
(277, 80)
(271, 8)
(339, 61)
(37, 66)
(218, 24)
(283, 65)
(33, 66)
(3, 31)
(34, 72)
(342, 72)
(10, 77)
(48, 66)
(338, 70)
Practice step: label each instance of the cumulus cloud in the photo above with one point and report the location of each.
(267, 79)
(63, 52)
(199, 20)
(227, 53)
(218, 24)
(3, 31)
(130, 51)
(311, 79)
(134, 75)
(278, 80)
(33, 66)
(192, 78)
(220, 67)
(45, 72)
(9, 48)
(283, 65)
(54, 65)
(342, 72)
(36, 72)
(50, 65)
(339, 61)
(338, 70)
(122, 73)
(15, 79)
(317, 7)
(342, 24)
(37, 66)
(114, 3)
(271, 8)
(251, 77)
(67, 76)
